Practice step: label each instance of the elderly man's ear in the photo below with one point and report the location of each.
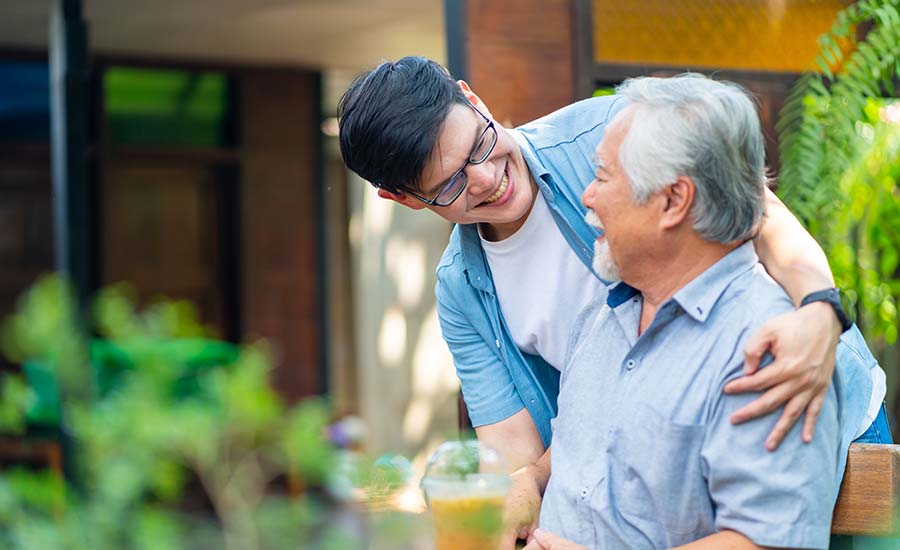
(676, 200)
(402, 198)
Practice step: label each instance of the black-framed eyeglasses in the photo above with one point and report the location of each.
(482, 149)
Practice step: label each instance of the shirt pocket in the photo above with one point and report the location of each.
(656, 477)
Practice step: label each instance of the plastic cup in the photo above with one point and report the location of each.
(465, 486)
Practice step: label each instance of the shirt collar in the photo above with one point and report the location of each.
(698, 297)
(619, 293)
(540, 173)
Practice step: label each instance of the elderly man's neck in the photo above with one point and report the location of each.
(672, 269)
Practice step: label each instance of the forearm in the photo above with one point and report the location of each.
(539, 471)
(522, 509)
(789, 253)
(516, 438)
(723, 540)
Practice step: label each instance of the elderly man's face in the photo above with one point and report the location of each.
(611, 207)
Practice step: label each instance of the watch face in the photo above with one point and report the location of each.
(848, 305)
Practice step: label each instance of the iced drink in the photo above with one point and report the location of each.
(465, 486)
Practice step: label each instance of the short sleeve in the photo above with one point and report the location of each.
(782, 498)
(487, 385)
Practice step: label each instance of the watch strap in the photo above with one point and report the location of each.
(831, 296)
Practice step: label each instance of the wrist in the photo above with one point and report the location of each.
(824, 310)
(538, 474)
(833, 300)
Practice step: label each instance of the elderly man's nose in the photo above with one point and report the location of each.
(587, 198)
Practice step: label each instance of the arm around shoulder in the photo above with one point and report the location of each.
(791, 255)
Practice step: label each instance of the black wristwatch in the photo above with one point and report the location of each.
(837, 300)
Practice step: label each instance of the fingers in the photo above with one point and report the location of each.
(513, 531)
(549, 541)
(792, 412)
(756, 348)
(767, 402)
(766, 378)
(508, 538)
(812, 415)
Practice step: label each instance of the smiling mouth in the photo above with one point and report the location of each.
(504, 185)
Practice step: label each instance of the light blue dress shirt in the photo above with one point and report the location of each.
(644, 453)
(497, 379)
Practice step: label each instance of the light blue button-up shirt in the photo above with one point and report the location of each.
(644, 453)
(497, 379)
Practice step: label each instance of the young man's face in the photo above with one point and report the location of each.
(499, 191)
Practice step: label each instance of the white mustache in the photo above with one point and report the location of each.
(591, 218)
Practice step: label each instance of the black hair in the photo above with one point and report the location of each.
(390, 119)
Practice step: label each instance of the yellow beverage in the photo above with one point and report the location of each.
(467, 523)
(465, 485)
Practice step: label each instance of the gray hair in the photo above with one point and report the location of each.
(690, 125)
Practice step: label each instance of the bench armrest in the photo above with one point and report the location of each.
(867, 503)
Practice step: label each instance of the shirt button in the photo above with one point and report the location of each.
(497, 342)
(584, 493)
(532, 401)
(630, 364)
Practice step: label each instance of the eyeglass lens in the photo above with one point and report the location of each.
(479, 154)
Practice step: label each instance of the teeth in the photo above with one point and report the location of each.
(504, 183)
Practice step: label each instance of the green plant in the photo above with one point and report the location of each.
(840, 155)
(160, 428)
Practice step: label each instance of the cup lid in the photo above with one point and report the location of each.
(460, 460)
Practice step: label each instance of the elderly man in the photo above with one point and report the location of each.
(644, 453)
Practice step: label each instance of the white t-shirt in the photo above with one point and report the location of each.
(541, 285)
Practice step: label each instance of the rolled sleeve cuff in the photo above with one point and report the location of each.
(496, 413)
(794, 535)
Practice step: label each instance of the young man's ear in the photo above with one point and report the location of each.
(679, 198)
(402, 198)
(473, 97)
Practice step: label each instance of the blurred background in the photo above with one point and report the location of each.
(189, 149)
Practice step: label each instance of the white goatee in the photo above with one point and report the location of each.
(603, 264)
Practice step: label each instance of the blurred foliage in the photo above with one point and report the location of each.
(840, 152)
(149, 442)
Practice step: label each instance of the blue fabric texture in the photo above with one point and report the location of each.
(879, 431)
(644, 451)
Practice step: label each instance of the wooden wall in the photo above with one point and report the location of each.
(161, 231)
(281, 218)
(26, 230)
(518, 54)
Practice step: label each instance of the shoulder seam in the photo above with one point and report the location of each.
(587, 131)
(449, 262)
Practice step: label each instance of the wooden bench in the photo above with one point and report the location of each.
(869, 499)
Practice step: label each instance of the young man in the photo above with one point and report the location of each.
(518, 264)
(644, 452)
